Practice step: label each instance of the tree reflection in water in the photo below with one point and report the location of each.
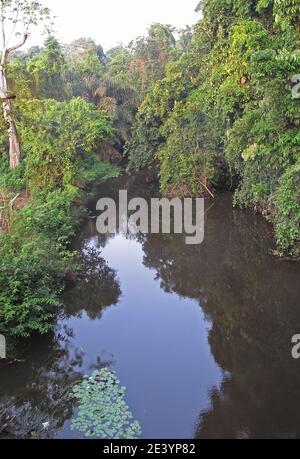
(36, 394)
(96, 288)
(250, 299)
(252, 303)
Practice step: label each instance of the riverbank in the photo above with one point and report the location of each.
(196, 334)
(35, 256)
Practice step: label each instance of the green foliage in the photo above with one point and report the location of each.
(102, 411)
(119, 97)
(20, 80)
(85, 67)
(230, 116)
(147, 135)
(59, 140)
(48, 71)
(95, 171)
(287, 13)
(34, 262)
(287, 211)
(11, 179)
(35, 258)
(214, 107)
(186, 167)
(152, 53)
(7, 210)
(56, 137)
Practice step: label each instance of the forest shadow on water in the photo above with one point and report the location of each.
(200, 336)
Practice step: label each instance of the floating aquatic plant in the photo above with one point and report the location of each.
(103, 412)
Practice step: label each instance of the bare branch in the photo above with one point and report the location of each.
(14, 23)
(14, 48)
(3, 26)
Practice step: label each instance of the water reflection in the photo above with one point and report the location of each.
(96, 287)
(36, 393)
(252, 301)
(200, 335)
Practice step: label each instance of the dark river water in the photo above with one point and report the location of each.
(200, 336)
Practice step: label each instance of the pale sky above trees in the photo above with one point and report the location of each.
(110, 22)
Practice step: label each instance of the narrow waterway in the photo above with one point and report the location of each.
(200, 336)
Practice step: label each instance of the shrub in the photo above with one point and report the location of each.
(57, 136)
(34, 262)
(287, 211)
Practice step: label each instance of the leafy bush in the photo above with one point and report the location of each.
(29, 287)
(230, 111)
(287, 211)
(95, 171)
(35, 259)
(34, 262)
(57, 136)
(11, 179)
(59, 140)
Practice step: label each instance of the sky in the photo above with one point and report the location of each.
(110, 22)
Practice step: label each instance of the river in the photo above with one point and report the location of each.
(200, 336)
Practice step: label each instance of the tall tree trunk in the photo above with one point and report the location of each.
(14, 144)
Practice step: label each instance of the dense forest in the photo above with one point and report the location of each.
(208, 108)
